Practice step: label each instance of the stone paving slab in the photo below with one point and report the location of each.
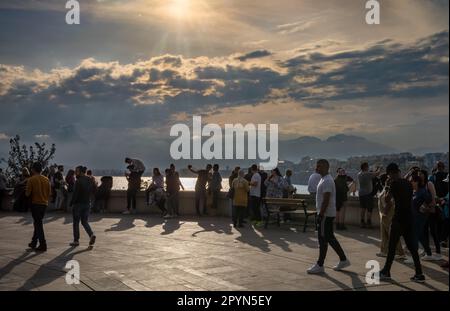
(144, 252)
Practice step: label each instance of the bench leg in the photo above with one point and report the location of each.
(278, 219)
(266, 221)
(306, 223)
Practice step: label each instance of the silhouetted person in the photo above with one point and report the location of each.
(200, 188)
(84, 186)
(39, 189)
(215, 186)
(401, 191)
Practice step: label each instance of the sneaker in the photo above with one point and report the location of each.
(92, 240)
(400, 257)
(341, 265)
(32, 245)
(408, 261)
(316, 269)
(41, 248)
(431, 258)
(419, 278)
(259, 224)
(167, 216)
(438, 257)
(74, 243)
(127, 212)
(381, 254)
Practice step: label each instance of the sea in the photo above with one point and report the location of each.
(120, 183)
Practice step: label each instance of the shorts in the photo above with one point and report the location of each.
(366, 202)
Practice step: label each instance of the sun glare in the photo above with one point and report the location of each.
(180, 8)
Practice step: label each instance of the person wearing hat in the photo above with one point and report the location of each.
(401, 191)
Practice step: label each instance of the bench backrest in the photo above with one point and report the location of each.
(286, 202)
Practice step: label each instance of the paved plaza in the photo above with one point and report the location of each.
(145, 252)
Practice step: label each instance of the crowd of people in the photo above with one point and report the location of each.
(412, 205)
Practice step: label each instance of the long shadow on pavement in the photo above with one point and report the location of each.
(52, 270)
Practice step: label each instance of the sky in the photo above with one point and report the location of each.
(114, 84)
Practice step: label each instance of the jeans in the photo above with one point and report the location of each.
(402, 227)
(326, 236)
(59, 199)
(200, 200)
(131, 198)
(254, 203)
(38, 213)
(421, 234)
(81, 213)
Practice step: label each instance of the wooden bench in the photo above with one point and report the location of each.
(277, 206)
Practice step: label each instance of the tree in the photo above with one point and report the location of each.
(23, 156)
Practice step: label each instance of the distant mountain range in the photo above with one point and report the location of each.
(339, 146)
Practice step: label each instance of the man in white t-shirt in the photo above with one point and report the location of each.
(326, 212)
(255, 195)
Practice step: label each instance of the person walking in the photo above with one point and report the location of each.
(326, 213)
(39, 189)
(84, 186)
(240, 198)
(401, 191)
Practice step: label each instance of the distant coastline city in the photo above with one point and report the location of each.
(303, 168)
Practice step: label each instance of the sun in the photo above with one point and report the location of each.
(179, 8)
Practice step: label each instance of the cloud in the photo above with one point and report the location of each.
(70, 104)
(291, 28)
(254, 54)
(3, 136)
